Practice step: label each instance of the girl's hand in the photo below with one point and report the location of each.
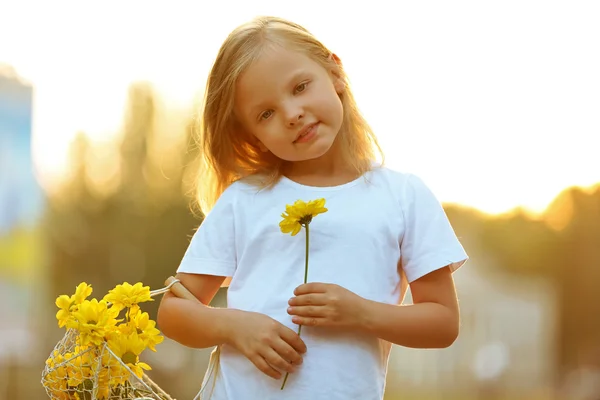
(271, 346)
(323, 304)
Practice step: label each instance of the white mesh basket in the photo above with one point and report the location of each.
(94, 372)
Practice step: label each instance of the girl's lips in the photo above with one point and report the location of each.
(310, 133)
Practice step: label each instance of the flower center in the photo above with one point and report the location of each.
(305, 220)
(129, 358)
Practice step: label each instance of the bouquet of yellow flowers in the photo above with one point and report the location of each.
(99, 355)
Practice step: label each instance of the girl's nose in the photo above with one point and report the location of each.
(294, 115)
(293, 121)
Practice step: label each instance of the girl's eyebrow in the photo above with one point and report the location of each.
(257, 107)
(296, 75)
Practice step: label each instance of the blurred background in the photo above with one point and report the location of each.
(494, 104)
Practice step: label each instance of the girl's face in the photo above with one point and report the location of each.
(290, 104)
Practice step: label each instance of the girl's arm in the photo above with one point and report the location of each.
(432, 321)
(269, 345)
(182, 320)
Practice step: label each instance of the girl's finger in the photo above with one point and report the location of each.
(309, 321)
(277, 361)
(292, 338)
(287, 352)
(313, 287)
(314, 299)
(307, 311)
(264, 367)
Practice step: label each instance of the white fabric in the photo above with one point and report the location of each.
(372, 223)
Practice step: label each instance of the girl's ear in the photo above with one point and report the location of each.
(336, 63)
(338, 83)
(334, 57)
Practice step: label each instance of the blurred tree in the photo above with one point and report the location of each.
(135, 233)
(563, 246)
(578, 263)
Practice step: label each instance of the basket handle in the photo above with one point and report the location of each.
(179, 290)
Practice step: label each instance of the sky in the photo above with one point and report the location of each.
(494, 104)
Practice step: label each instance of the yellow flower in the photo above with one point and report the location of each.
(82, 292)
(300, 214)
(68, 304)
(64, 314)
(129, 296)
(128, 348)
(94, 320)
(146, 330)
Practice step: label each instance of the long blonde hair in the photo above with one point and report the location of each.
(227, 154)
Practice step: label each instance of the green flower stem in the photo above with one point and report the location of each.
(305, 280)
(305, 267)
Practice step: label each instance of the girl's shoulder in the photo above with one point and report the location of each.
(404, 185)
(243, 190)
(232, 195)
(395, 178)
(247, 185)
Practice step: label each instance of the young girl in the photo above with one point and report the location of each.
(280, 124)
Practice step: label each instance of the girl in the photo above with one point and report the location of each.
(280, 124)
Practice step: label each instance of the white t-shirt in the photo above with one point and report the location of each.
(374, 224)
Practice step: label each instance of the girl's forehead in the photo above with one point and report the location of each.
(278, 62)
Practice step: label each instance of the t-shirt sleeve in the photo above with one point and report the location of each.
(212, 248)
(429, 241)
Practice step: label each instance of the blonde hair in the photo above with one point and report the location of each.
(226, 153)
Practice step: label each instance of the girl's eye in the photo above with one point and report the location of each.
(266, 114)
(301, 87)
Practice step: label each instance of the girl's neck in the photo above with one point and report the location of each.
(324, 180)
(320, 172)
